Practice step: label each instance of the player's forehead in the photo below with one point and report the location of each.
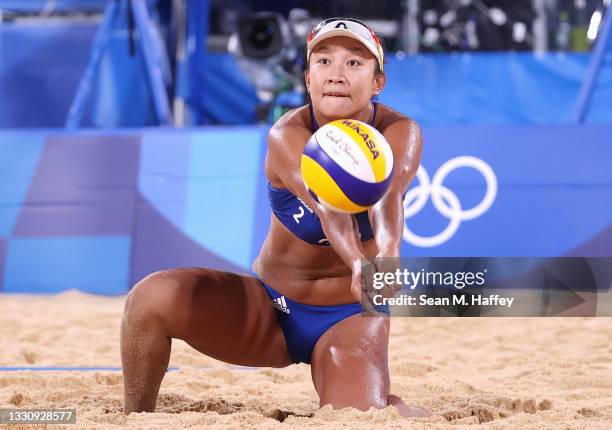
(342, 43)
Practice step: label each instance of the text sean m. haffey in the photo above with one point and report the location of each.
(456, 300)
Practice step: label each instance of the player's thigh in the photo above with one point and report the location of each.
(350, 363)
(223, 315)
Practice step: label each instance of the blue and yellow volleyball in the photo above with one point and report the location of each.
(347, 166)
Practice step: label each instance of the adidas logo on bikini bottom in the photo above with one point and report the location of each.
(280, 304)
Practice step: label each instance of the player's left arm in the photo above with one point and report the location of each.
(387, 216)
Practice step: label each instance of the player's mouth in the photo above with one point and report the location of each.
(335, 94)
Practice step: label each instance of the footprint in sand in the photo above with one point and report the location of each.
(167, 403)
(16, 399)
(587, 412)
(170, 403)
(29, 356)
(490, 409)
(176, 403)
(108, 379)
(281, 415)
(108, 405)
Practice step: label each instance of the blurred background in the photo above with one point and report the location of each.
(133, 132)
(99, 63)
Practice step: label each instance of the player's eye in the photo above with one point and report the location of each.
(324, 61)
(354, 63)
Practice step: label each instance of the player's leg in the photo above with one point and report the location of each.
(350, 366)
(223, 315)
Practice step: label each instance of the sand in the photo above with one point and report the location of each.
(478, 373)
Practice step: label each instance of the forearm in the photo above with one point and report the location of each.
(387, 219)
(341, 232)
(387, 216)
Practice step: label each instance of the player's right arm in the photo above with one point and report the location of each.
(285, 146)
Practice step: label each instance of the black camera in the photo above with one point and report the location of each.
(261, 35)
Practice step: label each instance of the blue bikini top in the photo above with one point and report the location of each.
(301, 220)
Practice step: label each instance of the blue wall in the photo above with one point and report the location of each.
(474, 88)
(98, 211)
(495, 88)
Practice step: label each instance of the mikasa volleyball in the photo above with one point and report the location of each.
(347, 165)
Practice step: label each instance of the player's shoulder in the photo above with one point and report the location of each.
(387, 117)
(295, 118)
(295, 122)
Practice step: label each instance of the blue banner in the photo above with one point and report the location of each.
(511, 191)
(130, 203)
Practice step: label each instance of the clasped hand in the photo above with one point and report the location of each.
(363, 285)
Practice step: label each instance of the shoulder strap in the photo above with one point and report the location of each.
(315, 124)
(373, 118)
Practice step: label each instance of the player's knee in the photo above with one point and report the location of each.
(153, 296)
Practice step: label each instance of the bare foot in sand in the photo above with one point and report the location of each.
(405, 410)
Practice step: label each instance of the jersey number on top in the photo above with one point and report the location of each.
(298, 215)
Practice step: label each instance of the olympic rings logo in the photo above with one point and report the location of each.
(445, 200)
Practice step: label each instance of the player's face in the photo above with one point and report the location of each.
(341, 78)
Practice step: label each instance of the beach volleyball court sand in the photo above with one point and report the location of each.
(473, 373)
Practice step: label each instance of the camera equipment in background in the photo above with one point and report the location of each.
(574, 24)
(260, 35)
(477, 25)
(507, 25)
(270, 52)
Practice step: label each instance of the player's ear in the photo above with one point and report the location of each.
(378, 83)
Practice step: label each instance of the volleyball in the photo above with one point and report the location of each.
(347, 165)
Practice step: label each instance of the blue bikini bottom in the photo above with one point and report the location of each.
(303, 324)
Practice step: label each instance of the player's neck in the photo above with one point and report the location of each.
(364, 115)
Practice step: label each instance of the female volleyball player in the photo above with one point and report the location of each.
(305, 305)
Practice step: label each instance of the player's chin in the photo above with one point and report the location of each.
(337, 107)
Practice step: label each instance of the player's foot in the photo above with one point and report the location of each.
(405, 410)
